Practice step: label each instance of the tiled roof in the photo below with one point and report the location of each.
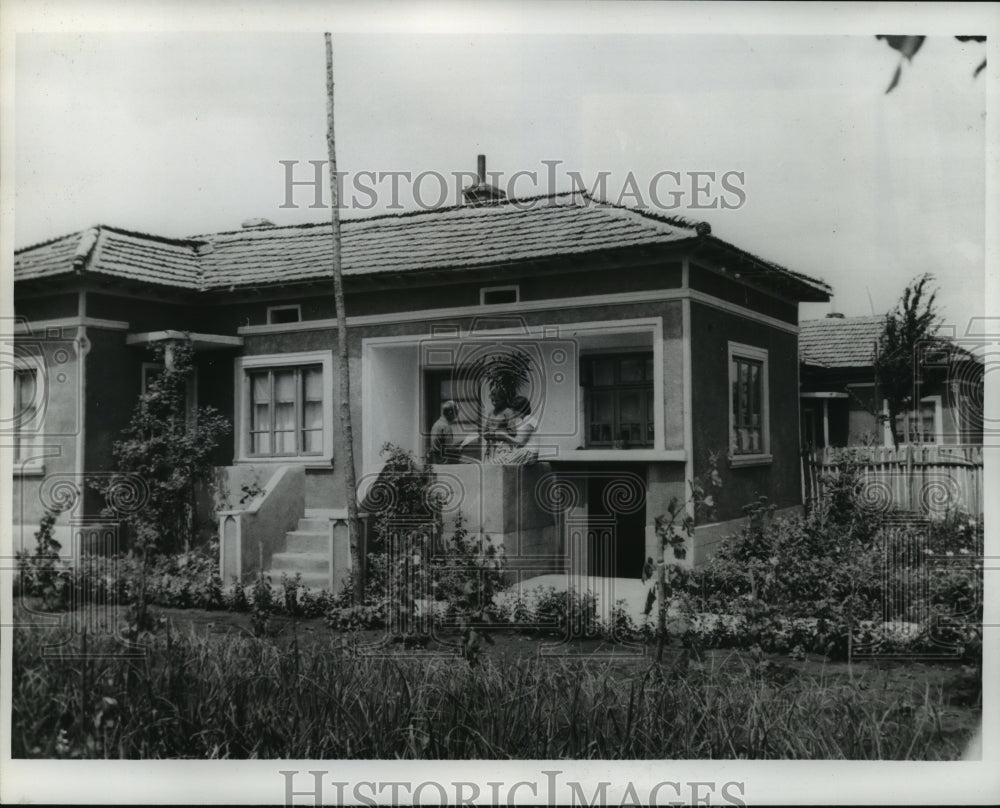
(441, 240)
(849, 342)
(839, 342)
(449, 239)
(118, 253)
(47, 259)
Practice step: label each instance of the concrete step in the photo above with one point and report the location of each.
(307, 541)
(300, 562)
(326, 513)
(315, 524)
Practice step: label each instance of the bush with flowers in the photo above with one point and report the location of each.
(841, 580)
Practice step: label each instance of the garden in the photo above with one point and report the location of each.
(844, 633)
(841, 634)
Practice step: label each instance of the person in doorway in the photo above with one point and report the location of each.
(517, 443)
(443, 435)
(496, 422)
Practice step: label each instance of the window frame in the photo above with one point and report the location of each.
(589, 389)
(245, 368)
(485, 290)
(25, 363)
(296, 307)
(750, 353)
(938, 436)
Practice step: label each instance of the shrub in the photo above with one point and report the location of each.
(839, 576)
(42, 573)
(261, 605)
(169, 452)
(412, 567)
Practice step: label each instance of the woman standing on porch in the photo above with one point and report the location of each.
(518, 444)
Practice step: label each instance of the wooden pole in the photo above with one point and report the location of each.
(343, 366)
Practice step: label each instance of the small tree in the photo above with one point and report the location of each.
(170, 450)
(911, 327)
(673, 530)
(505, 373)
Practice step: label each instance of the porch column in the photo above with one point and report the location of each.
(826, 422)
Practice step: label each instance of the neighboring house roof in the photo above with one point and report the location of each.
(840, 342)
(560, 225)
(849, 342)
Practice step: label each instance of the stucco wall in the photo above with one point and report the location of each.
(779, 481)
(701, 277)
(58, 354)
(315, 305)
(48, 307)
(324, 488)
(147, 315)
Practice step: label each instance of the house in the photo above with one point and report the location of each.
(652, 343)
(841, 405)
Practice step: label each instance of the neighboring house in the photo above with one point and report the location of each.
(841, 403)
(653, 343)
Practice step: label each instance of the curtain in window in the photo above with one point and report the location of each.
(260, 413)
(312, 411)
(286, 411)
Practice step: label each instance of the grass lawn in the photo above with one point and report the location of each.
(208, 689)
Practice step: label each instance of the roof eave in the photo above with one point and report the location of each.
(799, 286)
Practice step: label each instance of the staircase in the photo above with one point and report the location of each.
(307, 551)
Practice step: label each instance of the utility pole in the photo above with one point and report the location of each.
(343, 366)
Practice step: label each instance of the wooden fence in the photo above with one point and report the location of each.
(931, 480)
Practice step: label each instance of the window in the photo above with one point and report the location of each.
(618, 400)
(748, 403)
(284, 314)
(27, 413)
(286, 407)
(286, 411)
(499, 294)
(920, 425)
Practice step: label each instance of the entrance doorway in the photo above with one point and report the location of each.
(616, 520)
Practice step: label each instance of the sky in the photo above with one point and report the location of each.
(182, 133)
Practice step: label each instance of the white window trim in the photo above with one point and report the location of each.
(297, 307)
(242, 401)
(937, 400)
(515, 288)
(370, 442)
(742, 351)
(33, 465)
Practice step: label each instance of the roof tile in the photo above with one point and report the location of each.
(443, 240)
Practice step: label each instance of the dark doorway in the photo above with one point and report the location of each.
(616, 514)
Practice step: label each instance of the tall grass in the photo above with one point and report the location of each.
(240, 697)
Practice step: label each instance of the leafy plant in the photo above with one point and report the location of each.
(170, 451)
(909, 330)
(231, 696)
(41, 573)
(505, 372)
(261, 605)
(674, 530)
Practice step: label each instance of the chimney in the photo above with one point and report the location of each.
(835, 315)
(482, 193)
